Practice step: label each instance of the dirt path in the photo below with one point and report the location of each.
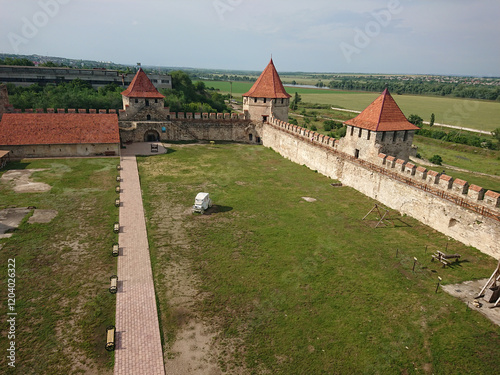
(21, 178)
(194, 350)
(447, 166)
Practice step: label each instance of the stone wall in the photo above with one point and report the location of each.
(66, 150)
(259, 107)
(192, 129)
(366, 144)
(5, 106)
(468, 215)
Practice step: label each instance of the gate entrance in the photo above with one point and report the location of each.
(151, 136)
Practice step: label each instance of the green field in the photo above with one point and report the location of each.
(475, 114)
(62, 269)
(306, 287)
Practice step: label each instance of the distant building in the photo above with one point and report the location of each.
(28, 75)
(267, 98)
(380, 128)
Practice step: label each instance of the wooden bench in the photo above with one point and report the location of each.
(117, 189)
(109, 153)
(117, 202)
(444, 258)
(154, 148)
(116, 228)
(118, 178)
(118, 167)
(110, 338)
(116, 250)
(114, 284)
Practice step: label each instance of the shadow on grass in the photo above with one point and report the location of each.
(216, 209)
(16, 165)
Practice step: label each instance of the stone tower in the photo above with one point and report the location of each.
(267, 97)
(142, 101)
(380, 128)
(4, 101)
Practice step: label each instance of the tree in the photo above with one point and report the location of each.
(431, 123)
(416, 120)
(295, 102)
(436, 159)
(496, 134)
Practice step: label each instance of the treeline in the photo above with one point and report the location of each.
(222, 77)
(16, 61)
(75, 94)
(456, 136)
(418, 87)
(185, 96)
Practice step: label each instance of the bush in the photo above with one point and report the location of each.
(436, 159)
(416, 120)
(293, 121)
(314, 128)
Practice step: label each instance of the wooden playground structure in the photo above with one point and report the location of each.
(381, 217)
(491, 290)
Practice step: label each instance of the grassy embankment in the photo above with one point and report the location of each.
(62, 269)
(310, 287)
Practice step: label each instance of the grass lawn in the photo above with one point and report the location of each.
(465, 157)
(62, 269)
(309, 288)
(476, 114)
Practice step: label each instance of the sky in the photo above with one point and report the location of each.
(449, 37)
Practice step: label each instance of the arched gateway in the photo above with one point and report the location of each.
(151, 136)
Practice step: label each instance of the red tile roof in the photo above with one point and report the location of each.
(268, 85)
(382, 115)
(141, 87)
(475, 188)
(58, 128)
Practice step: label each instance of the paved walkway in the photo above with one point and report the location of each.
(138, 344)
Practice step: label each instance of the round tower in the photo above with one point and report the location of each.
(267, 97)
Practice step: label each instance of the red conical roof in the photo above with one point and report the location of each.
(268, 85)
(141, 87)
(382, 115)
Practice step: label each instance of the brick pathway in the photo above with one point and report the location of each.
(138, 344)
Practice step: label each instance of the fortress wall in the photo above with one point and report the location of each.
(63, 150)
(192, 129)
(439, 203)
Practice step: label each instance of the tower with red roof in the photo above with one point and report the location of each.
(141, 100)
(380, 128)
(267, 97)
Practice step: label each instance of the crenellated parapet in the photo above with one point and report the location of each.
(439, 181)
(63, 110)
(306, 134)
(436, 183)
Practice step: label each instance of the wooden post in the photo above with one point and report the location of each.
(414, 262)
(437, 286)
